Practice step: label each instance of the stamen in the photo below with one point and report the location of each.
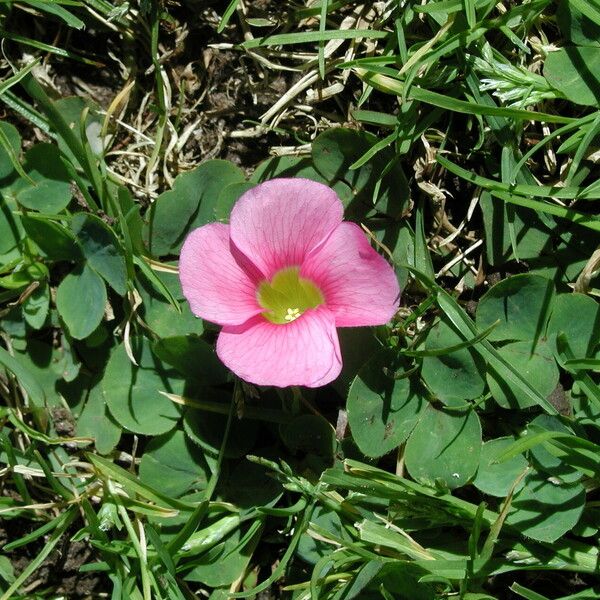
(292, 314)
(287, 296)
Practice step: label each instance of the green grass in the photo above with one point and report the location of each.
(457, 454)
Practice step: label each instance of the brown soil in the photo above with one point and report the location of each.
(59, 573)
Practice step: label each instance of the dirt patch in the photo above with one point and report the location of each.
(59, 573)
(64, 424)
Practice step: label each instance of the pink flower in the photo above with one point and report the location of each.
(281, 277)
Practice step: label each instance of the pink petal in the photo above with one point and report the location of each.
(359, 285)
(303, 352)
(214, 284)
(277, 223)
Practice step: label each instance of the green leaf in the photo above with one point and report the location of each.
(226, 562)
(382, 411)
(228, 196)
(10, 226)
(46, 196)
(248, 485)
(543, 459)
(449, 6)
(421, 256)
(37, 306)
(215, 175)
(305, 37)
(549, 208)
(309, 434)
(161, 316)
(391, 85)
(521, 303)
(311, 550)
(132, 393)
(192, 357)
(52, 190)
(55, 9)
(72, 109)
(573, 71)
(227, 15)
(407, 582)
(538, 367)
(23, 275)
(545, 510)
(60, 51)
(81, 300)
(53, 239)
(6, 570)
(133, 486)
(101, 249)
(358, 345)
(454, 377)
(526, 593)
(42, 360)
(378, 184)
(582, 332)
(467, 328)
(588, 526)
(575, 26)
(208, 536)
(189, 204)
(174, 463)
(287, 166)
(375, 118)
(96, 422)
(24, 377)
(589, 8)
(444, 445)
(362, 578)
(14, 139)
(497, 478)
(531, 233)
(519, 191)
(207, 429)
(68, 364)
(171, 213)
(381, 535)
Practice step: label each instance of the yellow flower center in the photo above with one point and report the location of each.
(287, 296)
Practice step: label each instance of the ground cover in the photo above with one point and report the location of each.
(456, 456)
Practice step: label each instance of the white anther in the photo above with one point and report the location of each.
(292, 314)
